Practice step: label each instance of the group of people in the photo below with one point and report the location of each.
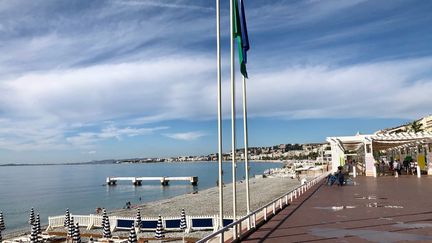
(396, 166)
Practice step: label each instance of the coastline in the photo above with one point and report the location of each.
(205, 202)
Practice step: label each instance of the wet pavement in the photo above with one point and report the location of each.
(383, 209)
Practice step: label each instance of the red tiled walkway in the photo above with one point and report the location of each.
(383, 209)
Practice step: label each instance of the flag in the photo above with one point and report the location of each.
(240, 32)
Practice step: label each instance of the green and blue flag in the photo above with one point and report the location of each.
(241, 34)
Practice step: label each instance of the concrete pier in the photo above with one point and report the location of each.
(137, 181)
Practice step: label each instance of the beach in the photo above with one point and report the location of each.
(205, 202)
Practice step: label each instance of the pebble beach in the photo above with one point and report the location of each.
(205, 202)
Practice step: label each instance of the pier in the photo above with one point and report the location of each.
(164, 180)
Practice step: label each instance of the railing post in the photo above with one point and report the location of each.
(265, 213)
(254, 220)
(286, 200)
(280, 203)
(249, 223)
(291, 196)
(274, 208)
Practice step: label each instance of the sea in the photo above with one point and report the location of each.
(50, 189)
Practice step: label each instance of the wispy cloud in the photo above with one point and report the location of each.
(45, 108)
(86, 139)
(378, 89)
(163, 4)
(96, 71)
(186, 136)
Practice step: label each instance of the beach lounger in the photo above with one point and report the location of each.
(124, 224)
(148, 224)
(173, 224)
(202, 223)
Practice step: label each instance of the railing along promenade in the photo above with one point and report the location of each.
(247, 224)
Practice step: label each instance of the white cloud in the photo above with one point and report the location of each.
(161, 4)
(186, 136)
(288, 13)
(89, 139)
(391, 89)
(44, 109)
(85, 76)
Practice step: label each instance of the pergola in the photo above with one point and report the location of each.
(366, 145)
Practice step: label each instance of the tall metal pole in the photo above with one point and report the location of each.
(246, 146)
(219, 100)
(233, 129)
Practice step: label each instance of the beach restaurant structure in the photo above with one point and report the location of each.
(366, 150)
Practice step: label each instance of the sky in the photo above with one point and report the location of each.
(89, 80)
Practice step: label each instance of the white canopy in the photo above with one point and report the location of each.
(382, 141)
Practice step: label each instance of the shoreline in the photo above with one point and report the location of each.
(122, 163)
(205, 202)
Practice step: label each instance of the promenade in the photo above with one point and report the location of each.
(383, 209)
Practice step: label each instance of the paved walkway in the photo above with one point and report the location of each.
(383, 209)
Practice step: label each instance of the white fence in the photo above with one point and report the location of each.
(209, 222)
(248, 223)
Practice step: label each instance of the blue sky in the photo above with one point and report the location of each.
(89, 80)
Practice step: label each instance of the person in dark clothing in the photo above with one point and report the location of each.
(331, 178)
(340, 176)
(406, 165)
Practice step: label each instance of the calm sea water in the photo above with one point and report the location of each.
(52, 189)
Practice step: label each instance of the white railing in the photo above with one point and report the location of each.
(88, 221)
(247, 223)
(56, 221)
(83, 220)
(95, 221)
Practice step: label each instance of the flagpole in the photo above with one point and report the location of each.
(233, 129)
(246, 146)
(219, 98)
